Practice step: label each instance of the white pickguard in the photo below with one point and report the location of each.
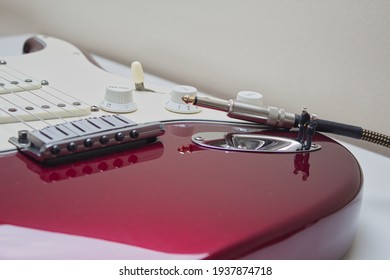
(73, 81)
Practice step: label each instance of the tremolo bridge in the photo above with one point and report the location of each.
(79, 137)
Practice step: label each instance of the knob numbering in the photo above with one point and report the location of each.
(118, 99)
(177, 105)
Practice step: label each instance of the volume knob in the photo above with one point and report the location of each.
(250, 97)
(177, 105)
(118, 99)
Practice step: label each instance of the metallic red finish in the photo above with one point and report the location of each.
(178, 198)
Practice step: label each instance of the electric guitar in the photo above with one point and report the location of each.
(162, 180)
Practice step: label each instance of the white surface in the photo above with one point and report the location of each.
(373, 236)
(38, 245)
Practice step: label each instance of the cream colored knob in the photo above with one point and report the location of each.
(250, 97)
(137, 72)
(118, 99)
(177, 105)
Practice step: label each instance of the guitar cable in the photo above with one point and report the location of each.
(277, 117)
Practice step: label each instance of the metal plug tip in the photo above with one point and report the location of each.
(188, 99)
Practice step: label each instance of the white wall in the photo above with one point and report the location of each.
(332, 56)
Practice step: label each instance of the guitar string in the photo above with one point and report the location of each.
(40, 119)
(37, 118)
(46, 100)
(28, 111)
(17, 93)
(49, 93)
(58, 117)
(17, 118)
(58, 90)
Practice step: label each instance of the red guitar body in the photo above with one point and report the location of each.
(173, 199)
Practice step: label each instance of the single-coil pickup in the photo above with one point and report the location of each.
(23, 98)
(12, 81)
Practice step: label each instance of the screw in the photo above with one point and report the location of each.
(22, 137)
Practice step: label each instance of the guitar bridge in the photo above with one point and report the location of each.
(78, 139)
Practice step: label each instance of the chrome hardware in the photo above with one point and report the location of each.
(84, 135)
(249, 142)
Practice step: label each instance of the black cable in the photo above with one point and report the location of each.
(340, 129)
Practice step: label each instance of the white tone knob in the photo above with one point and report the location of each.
(118, 99)
(250, 97)
(177, 105)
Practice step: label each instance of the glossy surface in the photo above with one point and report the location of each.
(178, 198)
